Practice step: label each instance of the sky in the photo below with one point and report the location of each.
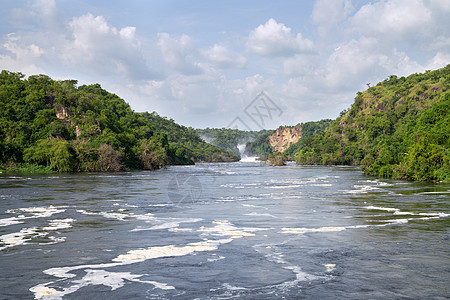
(237, 64)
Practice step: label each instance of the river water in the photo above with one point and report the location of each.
(223, 231)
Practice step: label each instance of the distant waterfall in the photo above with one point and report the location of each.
(244, 156)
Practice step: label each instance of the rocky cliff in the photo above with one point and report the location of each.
(284, 137)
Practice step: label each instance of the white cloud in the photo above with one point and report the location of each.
(392, 17)
(20, 56)
(47, 8)
(221, 57)
(440, 60)
(179, 52)
(39, 12)
(212, 84)
(300, 65)
(104, 49)
(275, 39)
(360, 60)
(328, 13)
(416, 25)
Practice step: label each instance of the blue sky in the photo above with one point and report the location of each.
(203, 62)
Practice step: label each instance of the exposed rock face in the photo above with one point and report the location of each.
(62, 113)
(65, 114)
(284, 137)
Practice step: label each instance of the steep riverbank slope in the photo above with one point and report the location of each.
(399, 128)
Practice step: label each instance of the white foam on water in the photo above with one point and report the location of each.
(109, 215)
(63, 272)
(114, 280)
(439, 215)
(397, 211)
(180, 229)
(399, 221)
(255, 214)
(18, 238)
(27, 234)
(161, 205)
(139, 255)
(330, 267)
(427, 218)
(146, 217)
(95, 274)
(239, 185)
(41, 291)
(225, 228)
(273, 255)
(54, 240)
(363, 189)
(35, 212)
(283, 186)
(403, 213)
(226, 172)
(232, 287)
(215, 258)
(255, 206)
(431, 193)
(250, 159)
(389, 209)
(174, 223)
(388, 222)
(245, 157)
(118, 215)
(11, 221)
(59, 224)
(300, 276)
(307, 230)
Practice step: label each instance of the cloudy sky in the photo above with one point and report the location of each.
(203, 62)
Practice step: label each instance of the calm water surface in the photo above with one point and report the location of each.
(223, 231)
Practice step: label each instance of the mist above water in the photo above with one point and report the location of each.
(244, 156)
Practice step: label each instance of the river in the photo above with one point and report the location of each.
(223, 231)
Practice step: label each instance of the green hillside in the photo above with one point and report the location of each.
(260, 146)
(399, 128)
(58, 126)
(187, 140)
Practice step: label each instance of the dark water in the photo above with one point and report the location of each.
(223, 231)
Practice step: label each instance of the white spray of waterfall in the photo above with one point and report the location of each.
(244, 156)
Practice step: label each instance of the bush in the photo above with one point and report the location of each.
(277, 159)
(54, 153)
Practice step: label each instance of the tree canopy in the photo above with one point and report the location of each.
(399, 128)
(63, 127)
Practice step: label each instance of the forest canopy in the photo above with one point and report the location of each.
(399, 128)
(62, 127)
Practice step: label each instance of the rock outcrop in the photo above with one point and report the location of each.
(284, 137)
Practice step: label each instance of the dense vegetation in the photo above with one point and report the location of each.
(260, 146)
(309, 129)
(277, 159)
(186, 142)
(227, 138)
(61, 127)
(399, 128)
